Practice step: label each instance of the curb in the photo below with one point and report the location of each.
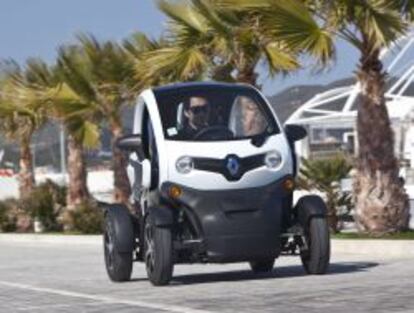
(373, 247)
(51, 239)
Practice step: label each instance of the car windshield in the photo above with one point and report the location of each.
(214, 113)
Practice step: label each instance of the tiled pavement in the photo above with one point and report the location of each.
(39, 277)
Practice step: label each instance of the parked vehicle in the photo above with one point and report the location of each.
(213, 173)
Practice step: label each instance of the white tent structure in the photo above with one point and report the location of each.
(330, 116)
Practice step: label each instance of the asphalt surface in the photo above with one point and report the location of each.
(40, 277)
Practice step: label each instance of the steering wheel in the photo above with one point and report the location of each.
(214, 133)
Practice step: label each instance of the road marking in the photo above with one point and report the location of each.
(156, 306)
(53, 306)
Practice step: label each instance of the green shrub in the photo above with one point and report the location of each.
(13, 218)
(45, 203)
(325, 175)
(8, 215)
(86, 218)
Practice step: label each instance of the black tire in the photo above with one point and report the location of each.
(158, 253)
(262, 266)
(118, 264)
(315, 259)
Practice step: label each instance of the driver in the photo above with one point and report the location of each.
(197, 113)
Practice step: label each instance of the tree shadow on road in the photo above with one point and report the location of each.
(277, 273)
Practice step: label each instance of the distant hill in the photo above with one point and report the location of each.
(47, 139)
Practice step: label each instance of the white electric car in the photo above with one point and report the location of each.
(212, 172)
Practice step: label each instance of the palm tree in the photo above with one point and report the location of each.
(73, 104)
(101, 76)
(370, 26)
(82, 132)
(22, 112)
(204, 40)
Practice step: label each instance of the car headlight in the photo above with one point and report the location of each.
(273, 159)
(184, 165)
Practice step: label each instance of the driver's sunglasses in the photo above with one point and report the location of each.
(199, 109)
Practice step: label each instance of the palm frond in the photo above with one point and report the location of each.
(216, 18)
(182, 64)
(184, 14)
(290, 22)
(67, 102)
(380, 22)
(280, 60)
(23, 106)
(74, 70)
(406, 7)
(139, 43)
(244, 4)
(39, 74)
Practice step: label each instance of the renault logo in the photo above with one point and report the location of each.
(233, 165)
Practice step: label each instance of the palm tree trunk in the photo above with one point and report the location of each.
(26, 173)
(380, 200)
(78, 192)
(122, 187)
(332, 215)
(222, 73)
(248, 76)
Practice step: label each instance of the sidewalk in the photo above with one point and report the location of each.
(375, 247)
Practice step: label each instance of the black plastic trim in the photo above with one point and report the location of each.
(238, 224)
(163, 216)
(220, 165)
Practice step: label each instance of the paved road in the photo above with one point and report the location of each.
(41, 277)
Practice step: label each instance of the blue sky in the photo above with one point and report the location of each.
(34, 28)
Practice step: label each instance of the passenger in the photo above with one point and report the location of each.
(253, 121)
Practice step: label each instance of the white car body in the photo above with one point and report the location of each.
(170, 151)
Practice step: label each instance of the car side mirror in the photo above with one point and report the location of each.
(295, 132)
(130, 144)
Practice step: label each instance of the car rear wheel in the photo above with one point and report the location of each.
(118, 264)
(158, 253)
(315, 258)
(262, 266)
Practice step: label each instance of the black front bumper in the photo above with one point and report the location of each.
(237, 225)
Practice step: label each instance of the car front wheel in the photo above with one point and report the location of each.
(315, 258)
(158, 253)
(118, 264)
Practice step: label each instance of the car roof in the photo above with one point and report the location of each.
(204, 84)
